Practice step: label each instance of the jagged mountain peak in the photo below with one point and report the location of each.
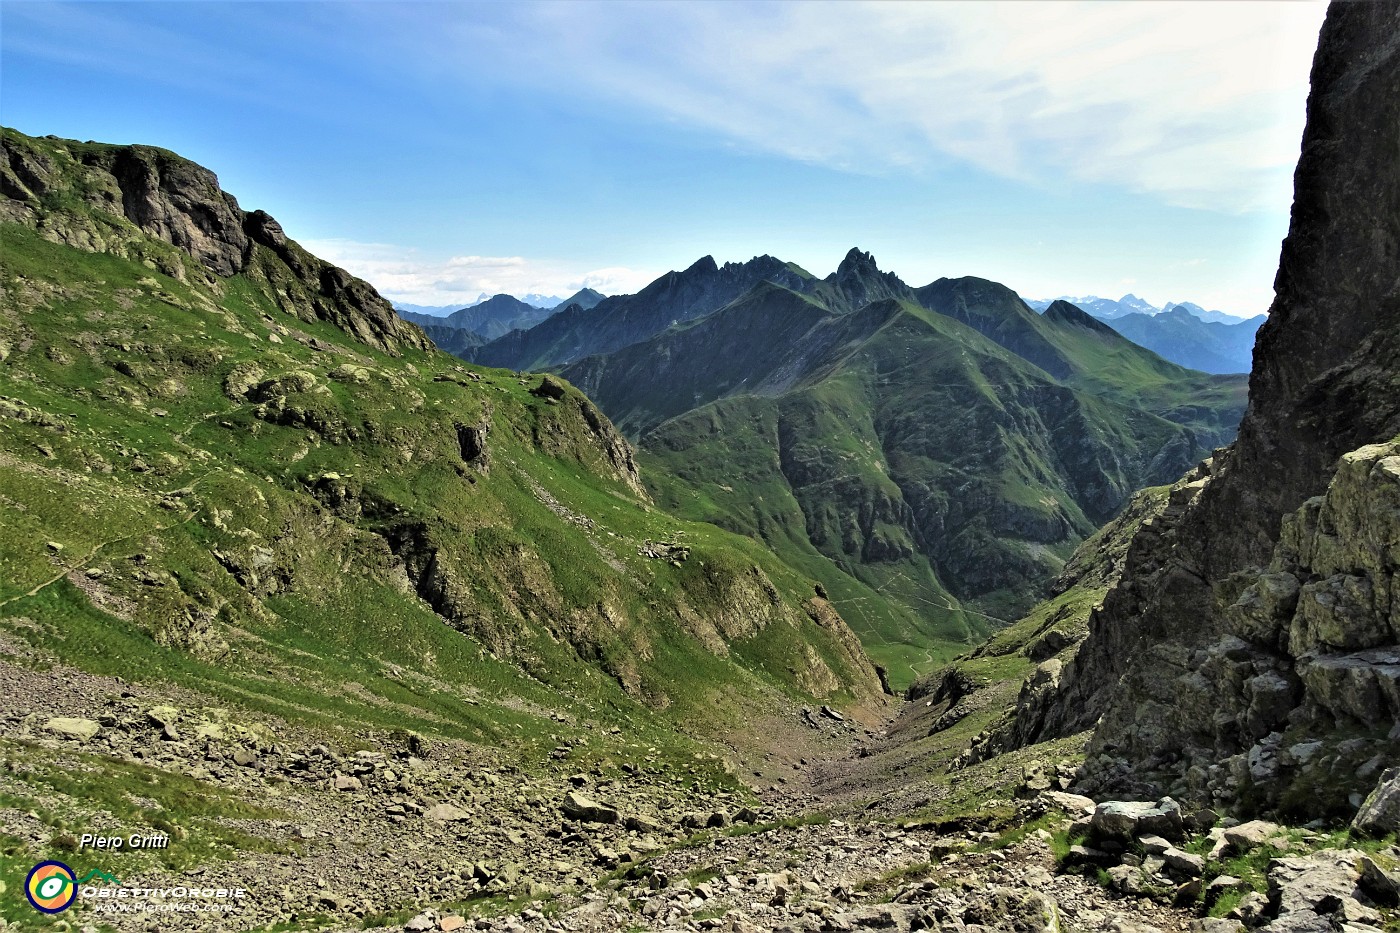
(856, 264)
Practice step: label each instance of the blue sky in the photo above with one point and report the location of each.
(445, 149)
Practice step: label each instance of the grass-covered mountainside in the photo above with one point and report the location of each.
(925, 449)
(230, 469)
(220, 416)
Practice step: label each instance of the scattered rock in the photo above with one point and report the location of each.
(344, 782)
(446, 813)
(1383, 886)
(1320, 883)
(1247, 837)
(72, 727)
(1016, 909)
(421, 923)
(1073, 804)
(586, 810)
(549, 388)
(1380, 813)
(1216, 925)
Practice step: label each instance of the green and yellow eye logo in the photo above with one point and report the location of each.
(51, 887)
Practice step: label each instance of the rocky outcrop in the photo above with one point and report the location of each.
(104, 198)
(858, 281)
(177, 201)
(1250, 654)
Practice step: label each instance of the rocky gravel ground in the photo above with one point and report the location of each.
(409, 834)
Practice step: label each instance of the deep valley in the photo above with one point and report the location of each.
(752, 600)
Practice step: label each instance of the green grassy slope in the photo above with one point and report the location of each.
(1087, 354)
(204, 482)
(930, 477)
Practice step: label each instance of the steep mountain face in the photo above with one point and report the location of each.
(622, 320)
(856, 283)
(963, 464)
(773, 338)
(1210, 317)
(1250, 654)
(1182, 332)
(459, 341)
(234, 463)
(1183, 337)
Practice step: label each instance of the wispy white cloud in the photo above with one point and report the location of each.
(1200, 104)
(408, 275)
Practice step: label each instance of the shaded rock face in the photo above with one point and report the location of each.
(1325, 361)
(619, 453)
(181, 203)
(859, 281)
(84, 194)
(1252, 641)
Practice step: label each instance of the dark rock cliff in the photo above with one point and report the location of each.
(1250, 654)
(103, 198)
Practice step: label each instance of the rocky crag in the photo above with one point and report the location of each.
(1249, 657)
(73, 194)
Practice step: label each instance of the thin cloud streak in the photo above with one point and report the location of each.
(1199, 104)
(406, 275)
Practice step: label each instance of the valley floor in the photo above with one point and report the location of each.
(856, 828)
(346, 840)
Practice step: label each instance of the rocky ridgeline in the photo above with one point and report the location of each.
(109, 199)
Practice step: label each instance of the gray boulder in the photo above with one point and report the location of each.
(1380, 813)
(1322, 883)
(72, 727)
(586, 810)
(1125, 820)
(446, 813)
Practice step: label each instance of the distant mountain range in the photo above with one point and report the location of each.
(1183, 332)
(488, 318)
(536, 300)
(929, 454)
(1106, 309)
